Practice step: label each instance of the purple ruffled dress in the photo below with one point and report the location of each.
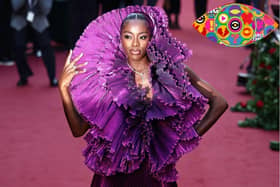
(135, 141)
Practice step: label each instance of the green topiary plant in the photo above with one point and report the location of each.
(263, 87)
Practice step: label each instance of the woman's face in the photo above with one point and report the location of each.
(135, 37)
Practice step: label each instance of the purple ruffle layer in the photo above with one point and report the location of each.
(126, 126)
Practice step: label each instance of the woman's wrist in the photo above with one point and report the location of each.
(64, 92)
(63, 87)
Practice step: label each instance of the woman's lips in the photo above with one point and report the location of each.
(135, 51)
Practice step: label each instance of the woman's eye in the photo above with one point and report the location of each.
(127, 36)
(143, 37)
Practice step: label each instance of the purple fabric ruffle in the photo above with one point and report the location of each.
(126, 127)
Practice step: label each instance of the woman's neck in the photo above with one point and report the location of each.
(140, 65)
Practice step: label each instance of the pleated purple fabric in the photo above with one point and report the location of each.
(139, 178)
(127, 127)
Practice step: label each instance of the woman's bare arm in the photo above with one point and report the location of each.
(217, 103)
(77, 125)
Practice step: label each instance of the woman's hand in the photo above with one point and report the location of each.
(70, 70)
(77, 125)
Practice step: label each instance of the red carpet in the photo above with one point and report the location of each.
(37, 148)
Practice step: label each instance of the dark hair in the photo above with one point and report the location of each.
(139, 16)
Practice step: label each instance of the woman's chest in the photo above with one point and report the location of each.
(145, 81)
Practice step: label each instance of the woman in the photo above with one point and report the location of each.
(133, 94)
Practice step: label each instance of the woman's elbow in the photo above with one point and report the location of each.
(219, 103)
(222, 104)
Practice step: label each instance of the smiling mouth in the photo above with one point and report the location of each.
(135, 52)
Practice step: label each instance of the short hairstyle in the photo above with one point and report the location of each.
(139, 16)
